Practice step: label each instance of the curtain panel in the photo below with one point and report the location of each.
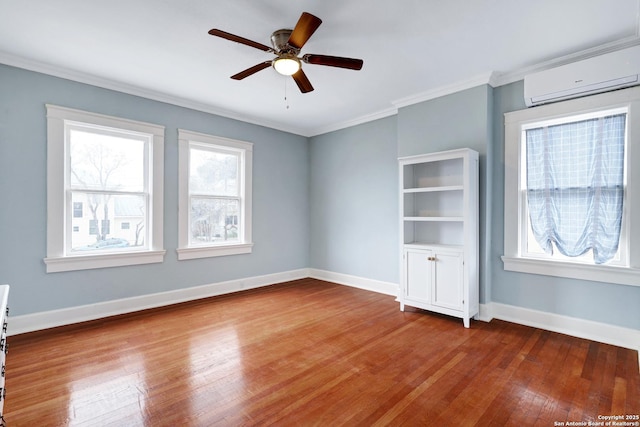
(575, 186)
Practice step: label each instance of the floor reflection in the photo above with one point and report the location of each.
(216, 369)
(202, 369)
(116, 386)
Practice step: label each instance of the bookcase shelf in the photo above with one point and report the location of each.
(431, 189)
(434, 218)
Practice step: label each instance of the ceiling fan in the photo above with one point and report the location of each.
(287, 45)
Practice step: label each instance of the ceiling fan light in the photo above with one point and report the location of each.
(287, 65)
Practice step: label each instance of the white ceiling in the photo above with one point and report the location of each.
(412, 49)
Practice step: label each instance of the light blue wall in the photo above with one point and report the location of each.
(459, 120)
(280, 198)
(329, 202)
(600, 302)
(354, 201)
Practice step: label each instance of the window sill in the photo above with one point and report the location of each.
(598, 273)
(214, 251)
(87, 262)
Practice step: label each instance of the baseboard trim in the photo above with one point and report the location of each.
(581, 328)
(378, 286)
(67, 316)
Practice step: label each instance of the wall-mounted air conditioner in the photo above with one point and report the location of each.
(602, 73)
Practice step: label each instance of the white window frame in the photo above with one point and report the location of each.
(627, 271)
(59, 210)
(187, 140)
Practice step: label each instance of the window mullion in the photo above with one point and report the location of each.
(213, 197)
(107, 192)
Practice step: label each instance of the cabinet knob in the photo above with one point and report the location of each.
(431, 258)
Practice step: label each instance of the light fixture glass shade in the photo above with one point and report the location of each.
(287, 66)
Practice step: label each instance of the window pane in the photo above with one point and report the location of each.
(213, 173)
(77, 210)
(102, 225)
(106, 162)
(214, 220)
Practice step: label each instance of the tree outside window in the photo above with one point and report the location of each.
(214, 196)
(106, 174)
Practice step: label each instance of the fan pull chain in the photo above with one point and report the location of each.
(286, 101)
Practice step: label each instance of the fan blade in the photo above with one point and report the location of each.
(333, 61)
(238, 39)
(302, 81)
(249, 71)
(306, 26)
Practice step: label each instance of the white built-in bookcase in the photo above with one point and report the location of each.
(439, 232)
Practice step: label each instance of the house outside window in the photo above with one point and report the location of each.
(214, 196)
(97, 164)
(599, 219)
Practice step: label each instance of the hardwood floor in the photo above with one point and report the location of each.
(311, 353)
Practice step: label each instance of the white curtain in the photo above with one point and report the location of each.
(575, 186)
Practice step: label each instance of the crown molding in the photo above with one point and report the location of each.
(493, 79)
(502, 79)
(482, 79)
(487, 78)
(381, 114)
(69, 74)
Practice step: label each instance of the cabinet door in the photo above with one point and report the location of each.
(418, 275)
(447, 291)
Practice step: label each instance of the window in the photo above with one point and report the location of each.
(572, 187)
(93, 227)
(77, 209)
(564, 216)
(214, 196)
(102, 163)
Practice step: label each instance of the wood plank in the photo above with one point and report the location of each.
(309, 352)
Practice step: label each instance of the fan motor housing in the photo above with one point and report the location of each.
(280, 39)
